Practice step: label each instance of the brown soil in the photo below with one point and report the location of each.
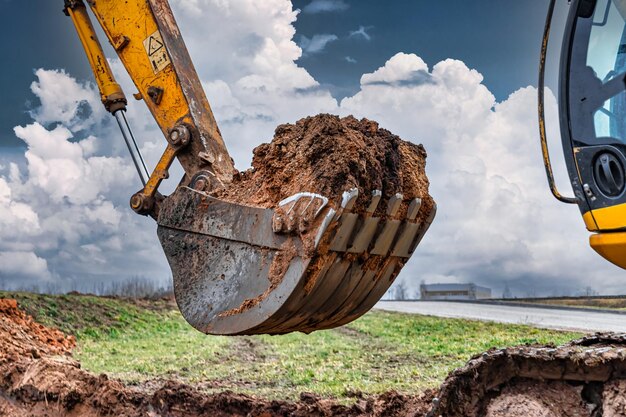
(582, 378)
(529, 398)
(39, 377)
(328, 155)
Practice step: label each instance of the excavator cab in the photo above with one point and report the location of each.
(307, 264)
(592, 110)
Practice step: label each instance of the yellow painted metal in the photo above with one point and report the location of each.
(608, 218)
(110, 91)
(590, 222)
(149, 44)
(160, 171)
(612, 247)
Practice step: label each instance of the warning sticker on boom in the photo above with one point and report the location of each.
(157, 54)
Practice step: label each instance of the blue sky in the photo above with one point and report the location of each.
(499, 38)
(65, 179)
(480, 33)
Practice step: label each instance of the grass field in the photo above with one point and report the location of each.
(137, 341)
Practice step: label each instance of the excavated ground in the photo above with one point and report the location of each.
(39, 377)
(328, 155)
(585, 378)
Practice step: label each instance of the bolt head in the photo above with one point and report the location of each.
(179, 136)
(136, 201)
(201, 184)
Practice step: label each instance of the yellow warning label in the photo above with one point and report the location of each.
(157, 54)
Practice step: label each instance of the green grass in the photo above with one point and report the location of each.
(381, 351)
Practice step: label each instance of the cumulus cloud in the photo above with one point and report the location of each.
(317, 43)
(323, 6)
(497, 221)
(69, 193)
(64, 100)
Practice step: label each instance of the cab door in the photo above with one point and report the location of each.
(592, 102)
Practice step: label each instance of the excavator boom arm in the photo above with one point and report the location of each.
(148, 42)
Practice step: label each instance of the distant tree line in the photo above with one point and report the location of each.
(133, 287)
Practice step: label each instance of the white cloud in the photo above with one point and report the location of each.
(64, 100)
(24, 266)
(350, 60)
(361, 32)
(317, 43)
(497, 221)
(322, 6)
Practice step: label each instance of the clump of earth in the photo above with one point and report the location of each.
(328, 155)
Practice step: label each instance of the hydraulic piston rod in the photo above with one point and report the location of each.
(111, 93)
(131, 143)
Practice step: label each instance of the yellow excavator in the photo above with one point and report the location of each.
(220, 252)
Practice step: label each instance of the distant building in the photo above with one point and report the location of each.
(454, 292)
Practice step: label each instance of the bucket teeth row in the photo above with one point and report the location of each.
(364, 255)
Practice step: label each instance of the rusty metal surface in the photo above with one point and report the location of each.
(234, 275)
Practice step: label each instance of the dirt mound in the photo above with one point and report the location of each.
(38, 377)
(586, 377)
(328, 155)
(21, 337)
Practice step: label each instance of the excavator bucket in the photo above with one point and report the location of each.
(304, 266)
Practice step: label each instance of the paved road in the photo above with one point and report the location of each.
(550, 318)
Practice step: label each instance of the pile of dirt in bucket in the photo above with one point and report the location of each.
(328, 155)
(39, 377)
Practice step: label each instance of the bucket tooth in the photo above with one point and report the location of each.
(408, 232)
(369, 227)
(424, 228)
(388, 234)
(346, 220)
(346, 229)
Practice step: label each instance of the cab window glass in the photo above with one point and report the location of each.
(606, 40)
